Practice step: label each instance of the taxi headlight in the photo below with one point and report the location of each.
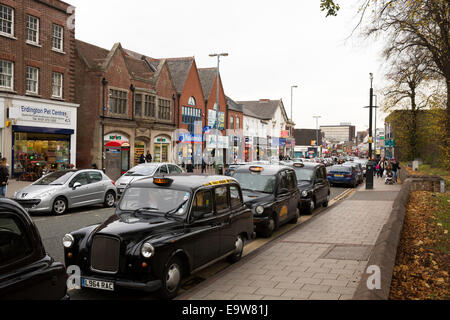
(259, 209)
(304, 193)
(147, 250)
(68, 241)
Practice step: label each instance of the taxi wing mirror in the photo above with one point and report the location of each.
(283, 191)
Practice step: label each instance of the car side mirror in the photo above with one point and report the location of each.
(76, 185)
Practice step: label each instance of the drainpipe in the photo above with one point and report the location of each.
(104, 84)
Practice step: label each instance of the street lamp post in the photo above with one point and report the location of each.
(370, 115)
(292, 87)
(218, 55)
(375, 140)
(317, 130)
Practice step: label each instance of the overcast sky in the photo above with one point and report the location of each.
(272, 45)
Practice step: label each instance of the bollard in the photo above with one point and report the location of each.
(369, 175)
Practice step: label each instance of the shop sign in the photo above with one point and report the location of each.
(188, 138)
(161, 140)
(284, 133)
(222, 142)
(249, 140)
(282, 142)
(116, 137)
(40, 114)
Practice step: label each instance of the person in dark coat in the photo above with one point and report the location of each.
(148, 157)
(142, 158)
(4, 176)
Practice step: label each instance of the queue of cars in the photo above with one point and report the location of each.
(168, 225)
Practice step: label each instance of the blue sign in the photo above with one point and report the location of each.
(207, 129)
(188, 138)
(282, 142)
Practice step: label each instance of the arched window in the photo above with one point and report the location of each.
(191, 101)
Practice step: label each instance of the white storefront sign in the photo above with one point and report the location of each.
(28, 111)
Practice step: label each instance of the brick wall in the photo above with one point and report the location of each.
(42, 56)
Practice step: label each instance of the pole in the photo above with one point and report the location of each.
(104, 84)
(317, 131)
(370, 115)
(375, 140)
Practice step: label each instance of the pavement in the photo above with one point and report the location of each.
(14, 185)
(321, 259)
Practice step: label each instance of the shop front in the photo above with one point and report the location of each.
(42, 135)
(161, 148)
(117, 155)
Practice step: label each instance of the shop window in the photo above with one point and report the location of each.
(35, 153)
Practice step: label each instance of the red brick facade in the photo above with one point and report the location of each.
(40, 55)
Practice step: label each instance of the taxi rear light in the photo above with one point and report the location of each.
(348, 175)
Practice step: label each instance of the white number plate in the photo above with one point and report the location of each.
(102, 285)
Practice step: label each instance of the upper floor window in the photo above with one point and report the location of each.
(117, 101)
(6, 74)
(33, 29)
(232, 122)
(57, 84)
(6, 20)
(192, 102)
(164, 109)
(58, 38)
(149, 106)
(238, 123)
(190, 116)
(32, 80)
(138, 105)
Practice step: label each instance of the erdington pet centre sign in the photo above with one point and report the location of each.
(40, 114)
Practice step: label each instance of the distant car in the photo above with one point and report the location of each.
(62, 190)
(363, 163)
(146, 170)
(27, 272)
(341, 174)
(313, 185)
(272, 194)
(163, 230)
(359, 170)
(232, 167)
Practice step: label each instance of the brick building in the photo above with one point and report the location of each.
(38, 113)
(138, 96)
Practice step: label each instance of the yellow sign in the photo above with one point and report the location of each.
(283, 213)
(370, 139)
(217, 182)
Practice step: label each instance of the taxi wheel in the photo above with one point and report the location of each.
(171, 279)
(110, 198)
(239, 248)
(59, 206)
(312, 205)
(269, 228)
(295, 219)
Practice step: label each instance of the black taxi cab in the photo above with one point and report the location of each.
(271, 192)
(164, 229)
(27, 272)
(313, 185)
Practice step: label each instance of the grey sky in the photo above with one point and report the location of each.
(271, 44)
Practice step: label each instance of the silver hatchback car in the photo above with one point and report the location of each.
(61, 190)
(146, 170)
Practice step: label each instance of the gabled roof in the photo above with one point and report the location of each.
(139, 68)
(179, 69)
(93, 56)
(207, 78)
(233, 105)
(263, 109)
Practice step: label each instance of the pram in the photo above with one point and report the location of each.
(389, 178)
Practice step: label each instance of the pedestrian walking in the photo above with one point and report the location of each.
(203, 165)
(4, 176)
(395, 168)
(141, 158)
(148, 157)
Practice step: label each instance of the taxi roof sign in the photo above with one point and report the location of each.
(299, 165)
(162, 181)
(256, 169)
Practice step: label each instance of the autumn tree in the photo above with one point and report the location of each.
(410, 90)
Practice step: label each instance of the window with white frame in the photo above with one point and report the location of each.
(32, 80)
(32, 29)
(232, 122)
(6, 20)
(6, 74)
(57, 84)
(58, 38)
(238, 123)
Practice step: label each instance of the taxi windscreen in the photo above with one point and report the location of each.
(255, 182)
(304, 174)
(155, 200)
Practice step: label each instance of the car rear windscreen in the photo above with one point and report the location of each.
(341, 169)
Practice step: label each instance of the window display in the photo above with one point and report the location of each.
(37, 153)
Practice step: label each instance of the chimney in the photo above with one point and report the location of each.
(263, 100)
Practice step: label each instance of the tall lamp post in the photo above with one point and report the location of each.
(370, 115)
(218, 55)
(375, 138)
(317, 130)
